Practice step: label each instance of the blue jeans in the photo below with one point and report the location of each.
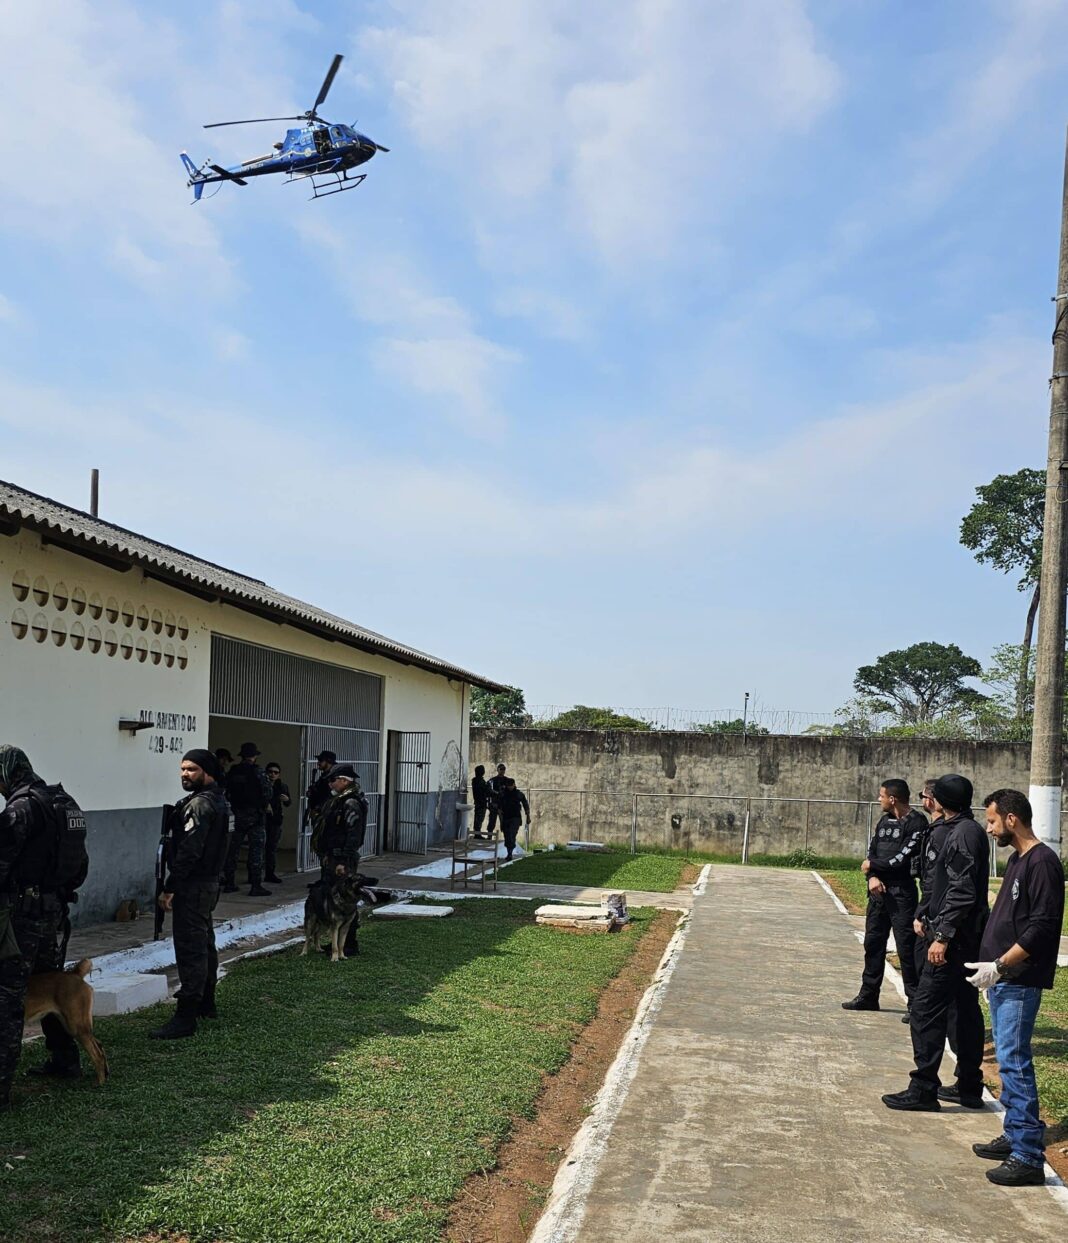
(1013, 1010)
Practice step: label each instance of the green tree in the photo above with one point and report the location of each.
(581, 717)
(736, 726)
(504, 709)
(1004, 529)
(919, 683)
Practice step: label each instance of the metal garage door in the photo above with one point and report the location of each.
(338, 710)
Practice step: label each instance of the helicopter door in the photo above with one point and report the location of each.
(322, 142)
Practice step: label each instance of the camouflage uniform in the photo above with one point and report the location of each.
(34, 923)
(249, 794)
(339, 840)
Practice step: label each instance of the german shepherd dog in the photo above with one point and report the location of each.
(332, 907)
(66, 995)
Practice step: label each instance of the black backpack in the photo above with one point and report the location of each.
(68, 856)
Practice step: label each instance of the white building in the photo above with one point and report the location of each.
(119, 654)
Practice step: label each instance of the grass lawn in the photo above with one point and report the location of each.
(331, 1101)
(606, 870)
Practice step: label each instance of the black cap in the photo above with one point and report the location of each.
(954, 792)
(326, 755)
(247, 749)
(341, 770)
(206, 760)
(221, 753)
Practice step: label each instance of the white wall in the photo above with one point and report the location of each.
(62, 705)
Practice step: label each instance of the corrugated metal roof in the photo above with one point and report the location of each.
(81, 532)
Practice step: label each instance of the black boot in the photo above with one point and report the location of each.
(256, 890)
(228, 885)
(207, 1004)
(860, 1002)
(273, 878)
(182, 1023)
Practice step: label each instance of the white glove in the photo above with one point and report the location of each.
(986, 974)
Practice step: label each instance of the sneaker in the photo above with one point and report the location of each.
(912, 1101)
(1015, 1173)
(860, 1002)
(997, 1150)
(952, 1094)
(272, 879)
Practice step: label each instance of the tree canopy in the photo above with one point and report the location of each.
(920, 682)
(503, 709)
(737, 726)
(581, 717)
(1004, 526)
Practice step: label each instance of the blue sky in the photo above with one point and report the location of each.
(657, 362)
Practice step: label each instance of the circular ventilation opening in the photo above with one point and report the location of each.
(59, 631)
(20, 585)
(60, 596)
(142, 618)
(157, 622)
(157, 652)
(111, 643)
(93, 639)
(77, 636)
(169, 624)
(126, 646)
(168, 655)
(183, 629)
(39, 627)
(20, 624)
(77, 600)
(96, 606)
(111, 609)
(127, 613)
(142, 649)
(183, 658)
(40, 590)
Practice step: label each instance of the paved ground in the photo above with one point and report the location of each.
(754, 1115)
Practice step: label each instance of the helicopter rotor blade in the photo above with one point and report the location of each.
(252, 121)
(328, 82)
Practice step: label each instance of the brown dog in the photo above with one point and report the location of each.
(66, 995)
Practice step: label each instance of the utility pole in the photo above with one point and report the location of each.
(1047, 742)
(94, 492)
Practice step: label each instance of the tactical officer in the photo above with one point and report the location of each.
(249, 794)
(496, 785)
(891, 893)
(953, 921)
(317, 794)
(480, 794)
(511, 806)
(196, 851)
(280, 800)
(39, 873)
(340, 833)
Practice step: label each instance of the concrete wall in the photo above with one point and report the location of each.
(582, 784)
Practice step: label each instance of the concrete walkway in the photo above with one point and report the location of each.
(754, 1115)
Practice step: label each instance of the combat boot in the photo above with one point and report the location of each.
(182, 1023)
(228, 885)
(207, 1004)
(256, 889)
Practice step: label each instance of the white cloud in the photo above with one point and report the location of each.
(623, 122)
(8, 312)
(231, 346)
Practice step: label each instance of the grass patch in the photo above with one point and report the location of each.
(605, 870)
(331, 1102)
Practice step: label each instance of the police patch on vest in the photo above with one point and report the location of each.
(932, 855)
(1015, 889)
(190, 824)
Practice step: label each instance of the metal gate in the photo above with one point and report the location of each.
(409, 785)
(351, 746)
(337, 709)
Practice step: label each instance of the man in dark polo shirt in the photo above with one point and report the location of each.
(1017, 960)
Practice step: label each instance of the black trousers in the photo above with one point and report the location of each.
(253, 825)
(921, 961)
(480, 816)
(896, 908)
(510, 830)
(941, 990)
(195, 955)
(274, 833)
(493, 821)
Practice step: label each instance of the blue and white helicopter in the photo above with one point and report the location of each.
(318, 151)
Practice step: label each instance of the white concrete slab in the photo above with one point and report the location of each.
(115, 993)
(442, 868)
(411, 910)
(586, 846)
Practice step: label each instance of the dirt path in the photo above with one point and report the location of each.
(502, 1205)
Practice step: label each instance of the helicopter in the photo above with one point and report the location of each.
(318, 151)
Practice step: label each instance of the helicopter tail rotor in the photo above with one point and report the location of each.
(196, 177)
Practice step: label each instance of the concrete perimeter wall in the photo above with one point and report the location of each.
(582, 784)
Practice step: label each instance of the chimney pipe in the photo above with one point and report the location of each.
(94, 493)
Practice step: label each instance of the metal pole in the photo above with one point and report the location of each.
(745, 717)
(745, 832)
(808, 808)
(634, 827)
(1047, 745)
(94, 493)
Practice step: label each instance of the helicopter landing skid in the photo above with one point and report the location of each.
(325, 184)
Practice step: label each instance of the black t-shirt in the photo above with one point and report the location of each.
(1028, 911)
